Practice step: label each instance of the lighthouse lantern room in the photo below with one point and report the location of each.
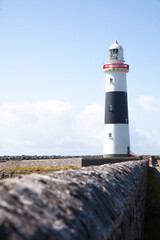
(116, 128)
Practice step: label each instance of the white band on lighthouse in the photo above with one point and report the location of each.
(116, 129)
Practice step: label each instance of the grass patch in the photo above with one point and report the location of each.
(14, 172)
(152, 208)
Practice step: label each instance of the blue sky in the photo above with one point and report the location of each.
(52, 83)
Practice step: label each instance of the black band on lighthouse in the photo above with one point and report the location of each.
(116, 108)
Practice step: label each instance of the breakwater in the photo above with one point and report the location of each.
(97, 202)
(59, 161)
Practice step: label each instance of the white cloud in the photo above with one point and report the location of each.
(25, 126)
(90, 124)
(40, 111)
(149, 104)
(145, 130)
(50, 127)
(144, 141)
(54, 127)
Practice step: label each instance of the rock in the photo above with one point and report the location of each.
(99, 203)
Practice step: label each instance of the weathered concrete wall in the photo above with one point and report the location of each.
(100, 203)
(60, 162)
(76, 162)
(104, 160)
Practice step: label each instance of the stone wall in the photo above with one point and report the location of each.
(37, 157)
(98, 203)
(61, 162)
(75, 162)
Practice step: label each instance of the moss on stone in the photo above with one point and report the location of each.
(152, 208)
(14, 172)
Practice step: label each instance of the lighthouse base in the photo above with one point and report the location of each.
(116, 140)
(115, 155)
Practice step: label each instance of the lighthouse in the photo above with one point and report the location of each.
(116, 125)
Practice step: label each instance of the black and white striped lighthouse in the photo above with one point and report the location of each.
(116, 128)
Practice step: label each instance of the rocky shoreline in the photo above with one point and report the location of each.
(43, 157)
(36, 157)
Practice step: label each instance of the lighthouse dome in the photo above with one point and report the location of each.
(115, 45)
(116, 52)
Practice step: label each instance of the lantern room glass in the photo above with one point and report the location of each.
(114, 54)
